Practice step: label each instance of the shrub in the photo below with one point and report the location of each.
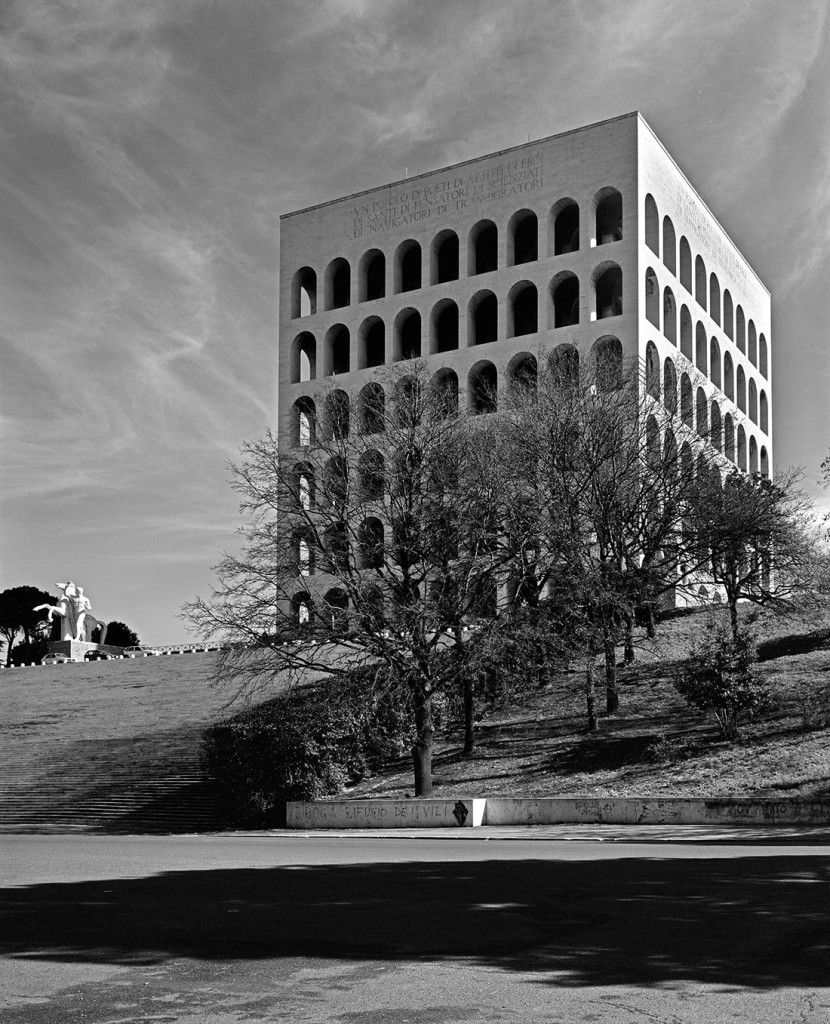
(719, 678)
(305, 744)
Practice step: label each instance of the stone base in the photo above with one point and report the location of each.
(76, 649)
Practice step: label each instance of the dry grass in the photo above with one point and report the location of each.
(655, 744)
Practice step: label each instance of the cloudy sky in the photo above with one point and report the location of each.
(148, 148)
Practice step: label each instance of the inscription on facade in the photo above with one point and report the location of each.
(403, 206)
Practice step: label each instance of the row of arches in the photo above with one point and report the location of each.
(368, 414)
(733, 442)
(407, 341)
(697, 411)
(704, 352)
(704, 286)
(522, 245)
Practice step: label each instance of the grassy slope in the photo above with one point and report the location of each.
(542, 748)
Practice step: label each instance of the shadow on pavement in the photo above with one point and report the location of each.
(749, 921)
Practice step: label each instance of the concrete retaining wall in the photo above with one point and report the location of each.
(458, 813)
(470, 812)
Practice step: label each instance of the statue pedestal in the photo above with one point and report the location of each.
(76, 649)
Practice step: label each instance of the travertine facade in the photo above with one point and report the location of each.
(593, 240)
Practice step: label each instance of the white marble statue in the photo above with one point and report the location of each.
(74, 609)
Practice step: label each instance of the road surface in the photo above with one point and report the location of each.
(369, 929)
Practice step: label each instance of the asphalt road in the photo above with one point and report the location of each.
(365, 930)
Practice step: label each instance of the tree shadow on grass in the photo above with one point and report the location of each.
(745, 921)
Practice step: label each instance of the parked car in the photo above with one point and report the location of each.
(97, 656)
(56, 659)
(141, 652)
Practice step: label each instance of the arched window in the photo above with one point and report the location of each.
(301, 608)
(753, 456)
(445, 393)
(728, 377)
(337, 284)
(669, 316)
(371, 276)
(729, 437)
(409, 401)
(609, 216)
(740, 330)
(700, 281)
(337, 350)
(701, 412)
(337, 414)
(714, 362)
(563, 232)
(303, 358)
(303, 293)
(742, 449)
(482, 388)
(764, 463)
(670, 454)
(443, 327)
(406, 342)
(522, 373)
(741, 389)
(753, 344)
(335, 481)
(652, 298)
(444, 257)
(304, 487)
(764, 412)
(482, 318)
(482, 248)
(686, 343)
(701, 349)
(606, 354)
(714, 298)
(607, 280)
(564, 367)
(336, 610)
(652, 225)
(522, 238)
(685, 264)
(303, 422)
(372, 409)
(371, 349)
(407, 266)
(763, 364)
(653, 454)
(669, 246)
(752, 404)
(522, 310)
(370, 542)
(302, 553)
(670, 386)
(728, 316)
(686, 400)
(564, 298)
(652, 371)
(370, 476)
(716, 427)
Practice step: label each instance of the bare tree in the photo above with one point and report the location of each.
(372, 540)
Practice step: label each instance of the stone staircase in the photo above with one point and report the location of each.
(108, 748)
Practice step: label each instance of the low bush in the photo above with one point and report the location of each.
(720, 678)
(306, 743)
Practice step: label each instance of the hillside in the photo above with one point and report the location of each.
(114, 746)
(108, 745)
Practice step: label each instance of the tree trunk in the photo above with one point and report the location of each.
(628, 656)
(650, 631)
(733, 615)
(590, 694)
(612, 696)
(469, 712)
(422, 748)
